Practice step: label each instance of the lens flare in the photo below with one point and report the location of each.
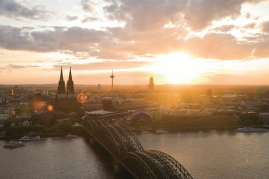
(37, 105)
(81, 98)
(50, 108)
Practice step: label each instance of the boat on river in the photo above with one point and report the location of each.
(30, 138)
(250, 129)
(12, 144)
(161, 132)
(71, 136)
(145, 132)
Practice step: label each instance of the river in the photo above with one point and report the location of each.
(205, 154)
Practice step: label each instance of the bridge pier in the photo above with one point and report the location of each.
(92, 141)
(117, 168)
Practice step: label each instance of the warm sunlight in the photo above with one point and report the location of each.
(178, 68)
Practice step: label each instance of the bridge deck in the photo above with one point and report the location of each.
(118, 160)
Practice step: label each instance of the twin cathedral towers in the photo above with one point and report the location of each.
(66, 101)
(70, 84)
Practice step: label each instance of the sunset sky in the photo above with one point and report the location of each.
(176, 41)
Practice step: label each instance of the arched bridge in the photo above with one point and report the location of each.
(120, 141)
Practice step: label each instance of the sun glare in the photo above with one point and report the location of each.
(178, 68)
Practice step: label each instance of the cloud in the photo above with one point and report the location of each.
(13, 9)
(145, 15)
(71, 18)
(200, 14)
(73, 39)
(89, 19)
(87, 5)
(119, 43)
(28, 28)
(141, 15)
(250, 25)
(9, 68)
(265, 26)
(20, 66)
(224, 28)
(105, 65)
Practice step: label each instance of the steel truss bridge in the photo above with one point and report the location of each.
(121, 142)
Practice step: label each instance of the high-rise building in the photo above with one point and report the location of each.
(99, 88)
(151, 85)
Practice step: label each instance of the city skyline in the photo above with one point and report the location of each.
(220, 43)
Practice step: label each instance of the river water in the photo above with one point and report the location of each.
(205, 154)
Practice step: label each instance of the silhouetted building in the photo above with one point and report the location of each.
(151, 85)
(68, 101)
(99, 88)
(143, 117)
(209, 93)
(61, 85)
(9, 92)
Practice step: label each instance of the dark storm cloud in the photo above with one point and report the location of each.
(71, 18)
(13, 9)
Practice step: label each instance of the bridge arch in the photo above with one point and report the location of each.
(121, 141)
(156, 164)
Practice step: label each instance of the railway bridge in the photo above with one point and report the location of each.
(121, 142)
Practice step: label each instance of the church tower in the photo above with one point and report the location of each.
(61, 86)
(70, 84)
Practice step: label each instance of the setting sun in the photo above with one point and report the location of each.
(178, 68)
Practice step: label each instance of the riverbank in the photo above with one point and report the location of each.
(58, 134)
(194, 128)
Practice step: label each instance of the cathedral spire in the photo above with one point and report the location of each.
(61, 76)
(70, 84)
(70, 75)
(61, 85)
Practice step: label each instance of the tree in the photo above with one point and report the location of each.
(53, 120)
(65, 126)
(7, 124)
(81, 112)
(232, 122)
(259, 122)
(247, 123)
(39, 128)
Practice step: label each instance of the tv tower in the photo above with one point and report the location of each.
(112, 76)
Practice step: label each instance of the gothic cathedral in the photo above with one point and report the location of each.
(66, 101)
